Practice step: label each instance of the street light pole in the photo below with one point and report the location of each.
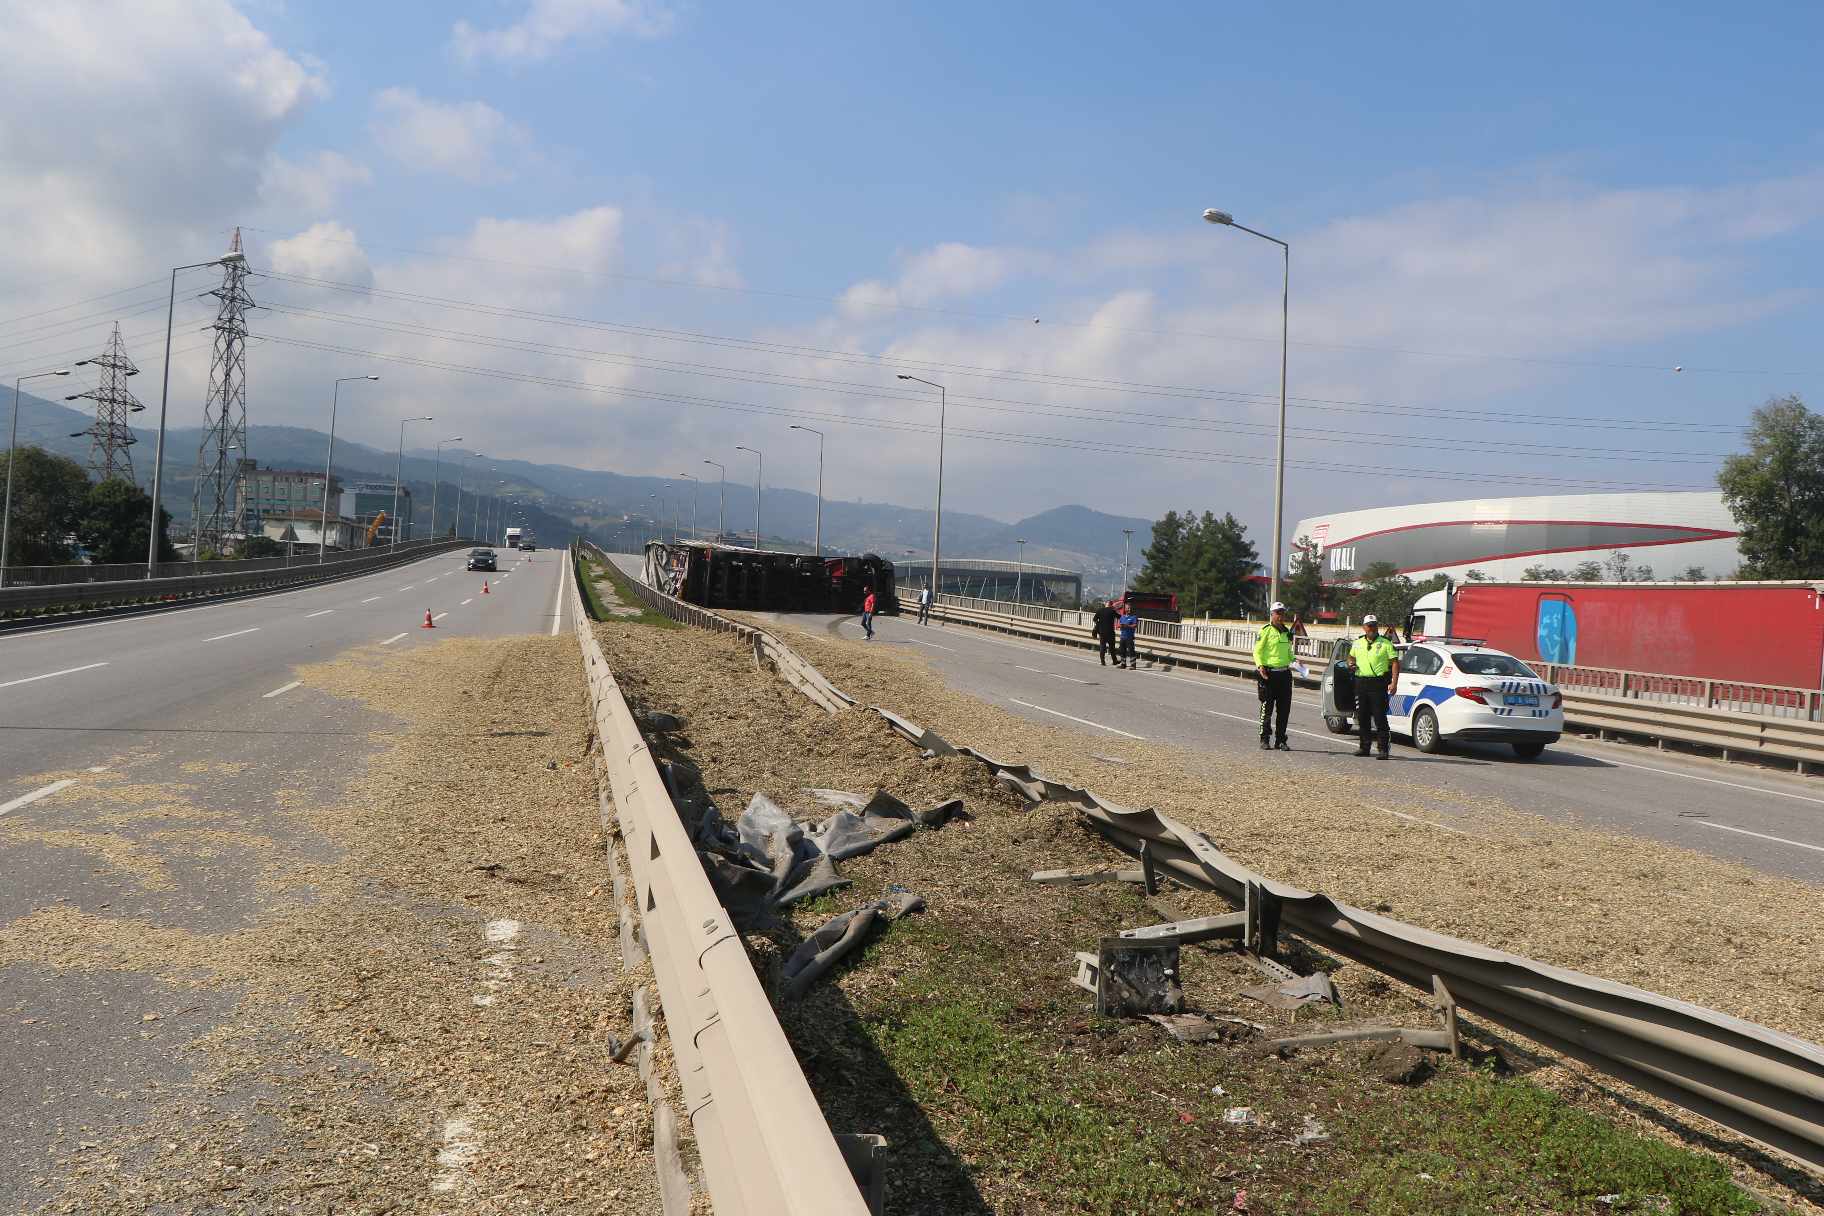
(937, 512)
(398, 463)
(1127, 535)
(658, 526)
(164, 400)
(694, 483)
(12, 448)
(462, 477)
(819, 435)
(329, 459)
(1285, 341)
(722, 503)
(437, 480)
(759, 469)
(1019, 574)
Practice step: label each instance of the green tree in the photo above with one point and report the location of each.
(113, 521)
(1775, 490)
(48, 492)
(1586, 572)
(1476, 576)
(1643, 574)
(1303, 586)
(1205, 561)
(1542, 574)
(260, 546)
(1692, 574)
(1616, 564)
(1390, 595)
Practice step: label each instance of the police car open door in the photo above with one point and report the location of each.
(1339, 690)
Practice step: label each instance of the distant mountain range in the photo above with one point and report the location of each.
(612, 508)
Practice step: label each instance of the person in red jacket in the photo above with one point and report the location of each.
(867, 615)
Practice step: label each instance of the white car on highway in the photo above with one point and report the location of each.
(1451, 690)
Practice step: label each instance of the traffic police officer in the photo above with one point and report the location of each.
(1377, 670)
(1273, 667)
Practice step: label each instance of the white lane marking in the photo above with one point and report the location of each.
(35, 795)
(52, 674)
(932, 645)
(466, 602)
(1734, 785)
(325, 612)
(461, 1145)
(408, 588)
(1428, 823)
(503, 935)
(433, 578)
(1721, 827)
(557, 604)
(440, 616)
(222, 637)
(1085, 721)
(392, 639)
(279, 692)
(1255, 722)
(371, 599)
(1054, 675)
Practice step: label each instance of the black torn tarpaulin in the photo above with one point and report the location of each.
(837, 937)
(766, 860)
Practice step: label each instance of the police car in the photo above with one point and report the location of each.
(1454, 689)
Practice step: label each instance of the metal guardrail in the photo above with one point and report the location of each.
(765, 1146)
(71, 597)
(1756, 1081)
(1630, 703)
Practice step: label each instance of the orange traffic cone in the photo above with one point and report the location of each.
(484, 587)
(428, 623)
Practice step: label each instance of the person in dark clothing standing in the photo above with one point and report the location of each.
(1273, 668)
(1104, 633)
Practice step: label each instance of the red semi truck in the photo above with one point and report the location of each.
(1753, 633)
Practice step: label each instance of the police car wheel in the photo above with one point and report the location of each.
(1338, 726)
(1425, 734)
(1529, 751)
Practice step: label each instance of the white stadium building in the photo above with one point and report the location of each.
(1501, 537)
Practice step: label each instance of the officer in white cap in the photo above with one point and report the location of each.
(1377, 670)
(1273, 668)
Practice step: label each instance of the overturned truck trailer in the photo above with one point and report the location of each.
(729, 576)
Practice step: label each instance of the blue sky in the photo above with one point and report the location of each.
(1551, 205)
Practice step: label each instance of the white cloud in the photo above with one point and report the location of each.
(950, 271)
(312, 186)
(323, 251)
(548, 24)
(465, 139)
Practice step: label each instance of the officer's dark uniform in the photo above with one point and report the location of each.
(1374, 660)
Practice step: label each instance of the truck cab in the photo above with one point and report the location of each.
(1431, 614)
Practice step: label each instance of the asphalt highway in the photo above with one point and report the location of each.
(121, 743)
(1767, 820)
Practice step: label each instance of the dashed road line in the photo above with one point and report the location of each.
(1085, 721)
(393, 639)
(279, 692)
(1721, 827)
(1054, 675)
(371, 599)
(1734, 785)
(1255, 722)
(466, 602)
(222, 637)
(440, 616)
(325, 612)
(68, 671)
(408, 588)
(35, 795)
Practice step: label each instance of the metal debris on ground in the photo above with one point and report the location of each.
(1314, 1133)
(1205, 1028)
(1242, 1115)
(837, 937)
(1290, 994)
(1131, 979)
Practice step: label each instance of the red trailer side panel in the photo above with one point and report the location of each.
(1755, 634)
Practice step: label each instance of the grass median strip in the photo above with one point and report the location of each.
(957, 1035)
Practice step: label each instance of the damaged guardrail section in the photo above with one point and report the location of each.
(1758, 1082)
(764, 1144)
